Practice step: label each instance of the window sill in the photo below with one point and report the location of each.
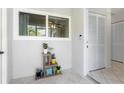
(39, 38)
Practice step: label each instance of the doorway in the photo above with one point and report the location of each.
(96, 41)
(115, 73)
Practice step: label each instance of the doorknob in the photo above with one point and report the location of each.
(1, 52)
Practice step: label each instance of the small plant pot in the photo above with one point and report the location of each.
(58, 71)
(45, 51)
(53, 61)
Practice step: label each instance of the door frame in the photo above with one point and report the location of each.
(85, 66)
(86, 13)
(4, 46)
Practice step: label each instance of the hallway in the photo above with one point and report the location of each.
(113, 75)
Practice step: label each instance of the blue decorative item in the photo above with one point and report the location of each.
(53, 56)
(49, 71)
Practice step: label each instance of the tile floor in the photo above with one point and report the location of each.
(113, 75)
(66, 78)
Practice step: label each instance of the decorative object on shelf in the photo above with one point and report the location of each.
(49, 72)
(53, 59)
(42, 73)
(49, 58)
(53, 62)
(39, 73)
(53, 56)
(45, 48)
(58, 69)
(50, 65)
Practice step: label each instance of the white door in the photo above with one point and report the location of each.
(0, 47)
(3, 47)
(96, 41)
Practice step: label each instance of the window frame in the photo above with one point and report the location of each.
(37, 12)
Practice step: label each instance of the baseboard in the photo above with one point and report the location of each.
(97, 69)
(117, 61)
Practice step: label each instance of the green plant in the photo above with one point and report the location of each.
(58, 67)
(50, 48)
(45, 45)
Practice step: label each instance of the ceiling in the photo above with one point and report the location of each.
(117, 11)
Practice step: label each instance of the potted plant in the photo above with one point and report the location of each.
(45, 48)
(58, 69)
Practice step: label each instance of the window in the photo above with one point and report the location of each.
(58, 27)
(32, 24)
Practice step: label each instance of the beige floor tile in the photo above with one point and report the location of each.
(67, 77)
(113, 75)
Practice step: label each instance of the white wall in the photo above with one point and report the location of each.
(118, 41)
(117, 34)
(9, 43)
(109, 32)
(62, 11)
(117, 14)
(77, 44)
(26, 54)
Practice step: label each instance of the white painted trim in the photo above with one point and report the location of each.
(47, 26)
(4, 46)
(108, 30)
(33, 11)
(106, 39)
(70, 31)
(85, 42)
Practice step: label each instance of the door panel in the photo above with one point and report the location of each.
(0, 47)
(100, 42)
(92, 41)
(101, 30)
(96, 41)
(92, 30)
